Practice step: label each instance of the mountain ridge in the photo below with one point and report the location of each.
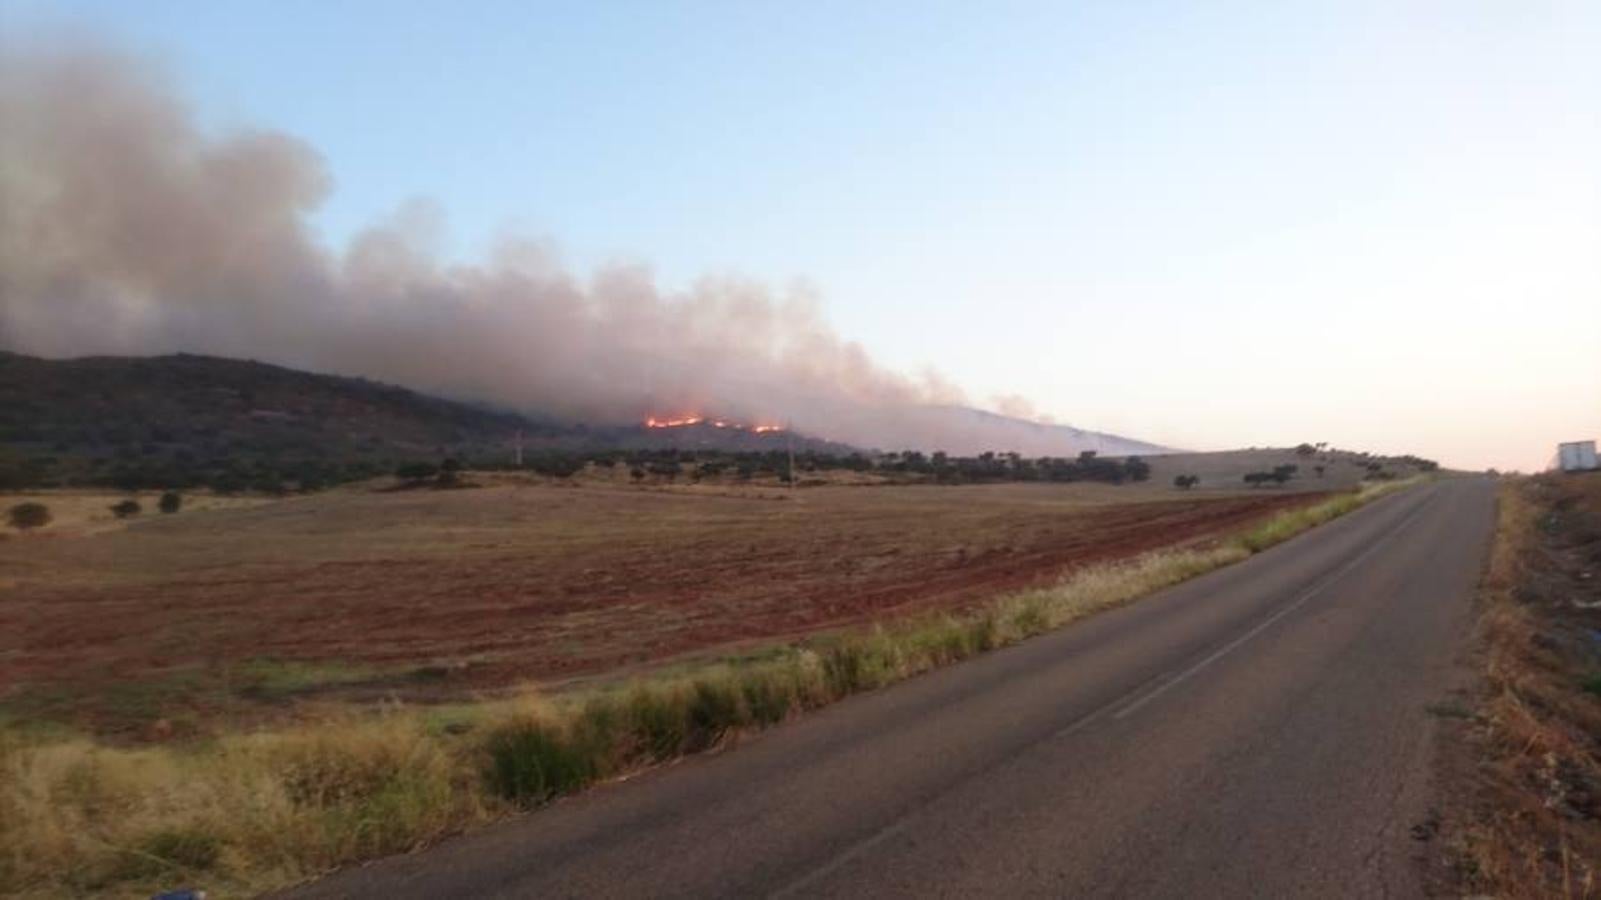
(86, 419)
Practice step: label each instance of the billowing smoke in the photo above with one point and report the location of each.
(127, 230)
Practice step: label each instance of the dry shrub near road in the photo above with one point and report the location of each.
(246, 813)
(253, 812)
(1534, 825)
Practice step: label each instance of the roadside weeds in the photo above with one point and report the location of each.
(250, 812)
(1531, 826)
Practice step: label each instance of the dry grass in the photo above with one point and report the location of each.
(84, 512)
(251, 812)
(1535, 827)
(245, 813)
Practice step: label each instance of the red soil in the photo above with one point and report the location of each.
(552, 611)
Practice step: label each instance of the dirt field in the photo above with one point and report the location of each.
(434, 594)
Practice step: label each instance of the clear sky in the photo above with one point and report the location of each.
(1208, 224)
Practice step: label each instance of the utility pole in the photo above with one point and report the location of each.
(789, 435)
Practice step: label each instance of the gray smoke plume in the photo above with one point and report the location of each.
(128, 230)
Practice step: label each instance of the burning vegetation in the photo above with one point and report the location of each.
(134, 230)
(726, 424)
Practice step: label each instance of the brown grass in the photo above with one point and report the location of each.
(76, 513)
(1534, 828)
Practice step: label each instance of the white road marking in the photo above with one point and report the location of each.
(1262, 626)
(903, 821)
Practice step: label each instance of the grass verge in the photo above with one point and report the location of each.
(252, 812)
(1533, 827)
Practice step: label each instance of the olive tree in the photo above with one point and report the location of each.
(26, 516)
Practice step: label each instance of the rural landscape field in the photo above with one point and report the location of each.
(503, 605)
(719, 450)
(248, 606)
(225, 581)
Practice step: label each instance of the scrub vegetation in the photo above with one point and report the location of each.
(248, 812)
(1531, 826)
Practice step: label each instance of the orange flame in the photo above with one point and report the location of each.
(685, 421)
(654, 422)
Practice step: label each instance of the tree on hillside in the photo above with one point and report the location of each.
(126, 508)
(170, 502)
(414, 473)
(1185, 482)
(1257, 479)
(557, 465)
(1281, 474)
(1319, 470)
(1137, 469)
(25, 516)
(448, 470)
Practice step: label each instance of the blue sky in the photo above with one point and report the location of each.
(1204, 224)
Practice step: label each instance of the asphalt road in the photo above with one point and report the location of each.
(1262, 731)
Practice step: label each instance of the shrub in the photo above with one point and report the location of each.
(530, 763)
(171, 502)
(768, 696)
(448, 471)
(1029, 617)
(657, 722)
(557, 465)
(714, 708)
(126, 508)
(24, 516)
(415, 472)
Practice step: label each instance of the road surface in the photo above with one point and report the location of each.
(1261, 731)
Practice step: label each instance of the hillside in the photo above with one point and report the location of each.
(966, 430)
(182, 420)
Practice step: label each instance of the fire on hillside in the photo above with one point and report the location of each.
(686, 421)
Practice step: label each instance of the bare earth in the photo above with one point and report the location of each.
(436, 593)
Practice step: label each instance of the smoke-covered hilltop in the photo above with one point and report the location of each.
(129, 230)
(184, 421)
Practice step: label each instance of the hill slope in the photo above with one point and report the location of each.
(183, 420)
(963, 430)
(180, 420)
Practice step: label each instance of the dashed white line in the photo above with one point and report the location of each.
(900, 824)
(1262, 626)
